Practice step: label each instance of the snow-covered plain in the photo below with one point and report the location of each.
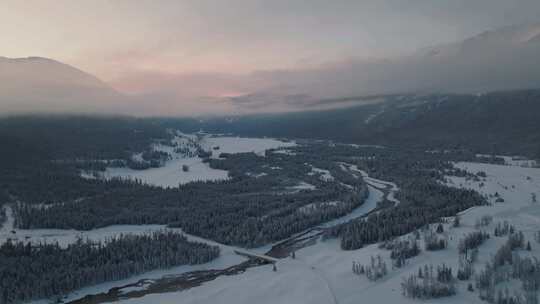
(172, 175)
(324, 174)
(242, 145)
(322, 273)
(227, 257)
(64, 237)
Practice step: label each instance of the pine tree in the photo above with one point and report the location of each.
(457, 221)
(440, 228)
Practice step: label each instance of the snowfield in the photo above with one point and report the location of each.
(227, 258)
(242, 145)
(324, 174)
(514, 184)
(322, 273)
(172, 175)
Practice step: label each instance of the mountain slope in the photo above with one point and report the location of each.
(501, 59)
(500, 122)
(36, 84)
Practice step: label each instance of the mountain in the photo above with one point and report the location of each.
(516, 36)
(500, 122)
(37, 84)
(501, 59)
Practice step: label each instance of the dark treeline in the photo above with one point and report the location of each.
(39, 271)
(41, 156)
(82, 137)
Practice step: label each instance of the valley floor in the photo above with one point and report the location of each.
(322, 273)
(228, 256)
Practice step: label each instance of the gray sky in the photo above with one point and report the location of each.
(143, 46)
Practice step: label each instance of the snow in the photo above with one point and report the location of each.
(8, 225)
(374, 196)
(242, 144)
(373, 116)
(68, 236)
(144, 285)
(374, 182)
(227, 257)
(365, 146)
(303, 186)
(313, 277)
(172, 175)
(137, 157)
(325, 175)
(285, 152)
(309, 208)
(256, 175)
(322, 273)
(514, 184)
(513, 160)
(88, 175)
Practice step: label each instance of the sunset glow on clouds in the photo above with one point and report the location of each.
(206, 48)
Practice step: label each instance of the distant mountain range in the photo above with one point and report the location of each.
(501, 122)
(502, 59)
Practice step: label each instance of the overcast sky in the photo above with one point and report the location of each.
(134, 44)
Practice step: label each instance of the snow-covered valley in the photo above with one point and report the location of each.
(171, 174)
(229, 254)
(270, 152)
(321, 271)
